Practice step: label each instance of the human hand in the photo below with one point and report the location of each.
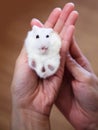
(30, 93)
(78, 97)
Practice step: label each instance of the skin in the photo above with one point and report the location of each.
(76, 98)
(32, 97)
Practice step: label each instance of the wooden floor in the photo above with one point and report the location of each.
(15, 16)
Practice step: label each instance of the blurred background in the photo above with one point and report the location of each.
(15, 16)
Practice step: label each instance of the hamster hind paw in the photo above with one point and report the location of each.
(33, 64)
(51, 67)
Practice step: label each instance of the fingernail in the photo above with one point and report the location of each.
(76, 12)
(58, 8)
(71, 3)
(34, 19)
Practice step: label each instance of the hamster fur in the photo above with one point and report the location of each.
(43, 48)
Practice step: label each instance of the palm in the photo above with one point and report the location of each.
(44, 95)
(40, 93)
(31, 91)
(70, 101)
(79, 101)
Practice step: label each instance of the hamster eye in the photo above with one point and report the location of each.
(37, 36)
(47, 36)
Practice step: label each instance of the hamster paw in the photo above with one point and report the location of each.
(51, 67)
(33, 64)
(46, 71)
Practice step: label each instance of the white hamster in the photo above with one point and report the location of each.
(43, 49)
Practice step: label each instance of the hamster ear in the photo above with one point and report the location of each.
(35, 28)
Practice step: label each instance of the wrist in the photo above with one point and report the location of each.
(92, 125)
(23, 119)
(88, 123)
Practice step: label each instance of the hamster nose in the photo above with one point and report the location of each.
(44, 48)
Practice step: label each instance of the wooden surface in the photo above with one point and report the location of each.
(15, 16)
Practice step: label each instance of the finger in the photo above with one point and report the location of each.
(72, 18)
(53, 17)
(68, 8)
(77, 54)
(23, 53)
(36, 22)
(66, 43)
(75, 50)
(78, 72)
(70, 21)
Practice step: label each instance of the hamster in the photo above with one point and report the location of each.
(43, 50)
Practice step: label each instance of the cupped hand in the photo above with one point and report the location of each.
(78, 96)
(28, 90)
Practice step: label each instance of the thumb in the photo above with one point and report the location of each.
(77, 71)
